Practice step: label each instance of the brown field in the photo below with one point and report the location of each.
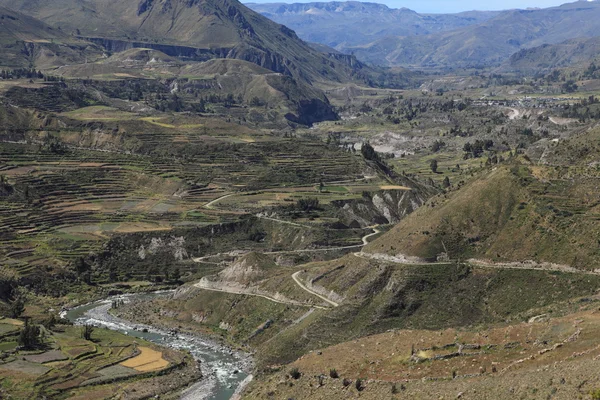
(148, 360)
(393, 187)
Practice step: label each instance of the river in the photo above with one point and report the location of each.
(224, 370)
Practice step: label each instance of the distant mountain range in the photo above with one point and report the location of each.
(383, 36)
(350, 23)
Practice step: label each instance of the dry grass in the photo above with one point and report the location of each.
(525, 360)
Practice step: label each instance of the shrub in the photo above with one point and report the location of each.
(346, 382)
(333, 373)
(307, 204)
(295, 373)
(359, 385)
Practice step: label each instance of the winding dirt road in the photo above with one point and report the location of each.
(295, 278)
(211, 203)
(205, 285)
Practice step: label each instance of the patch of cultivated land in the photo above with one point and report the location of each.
(147, 360)
(69, 366)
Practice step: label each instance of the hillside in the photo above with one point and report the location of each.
(487, 43)
(26, 42)
(542, 358)
(288, 99)
(575, 52)
(510, 214)
(192, 29)
(327, 22)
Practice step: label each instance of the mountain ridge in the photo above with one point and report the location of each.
(217, 28)
(27, 42)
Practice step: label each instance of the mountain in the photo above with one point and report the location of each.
(488, 43)
(574, 52)
(328, 22)
(195, 29)
(29, 43)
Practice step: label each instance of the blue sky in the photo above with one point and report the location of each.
(446, 6)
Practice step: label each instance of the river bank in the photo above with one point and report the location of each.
(223, 368)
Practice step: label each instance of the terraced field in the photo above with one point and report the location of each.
(69, 366)
(66, 204)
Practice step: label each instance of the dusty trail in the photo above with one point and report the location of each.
(285, 222)
(295, 278)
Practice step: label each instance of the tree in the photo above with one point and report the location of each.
(229, 100)
(17, 307)
(30, 336)
(570, 86)
(434, 166)
(359, 385)
(369, 152)
(437, 146)
(86, 331)
(446, 183)
(83, 270)
(176, 274)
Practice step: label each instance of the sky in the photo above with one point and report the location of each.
(448, 6)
